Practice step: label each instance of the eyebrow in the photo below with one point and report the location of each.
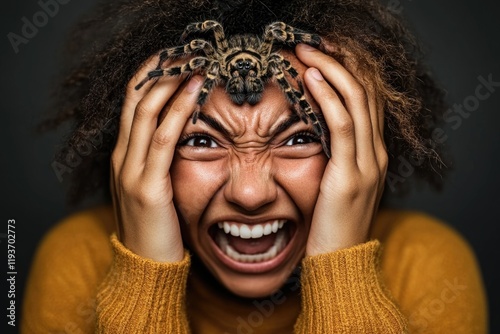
(216, 125)
(283, 126)
(294, 118)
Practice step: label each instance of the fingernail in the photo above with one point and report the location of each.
(306, 47)
(194, 84)
(316, 74)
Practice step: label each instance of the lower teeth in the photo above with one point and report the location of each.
(272, 252)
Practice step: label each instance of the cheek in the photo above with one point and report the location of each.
(194, 184)
(301, 179)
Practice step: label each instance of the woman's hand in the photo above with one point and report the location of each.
(354, 177)
(140, 178)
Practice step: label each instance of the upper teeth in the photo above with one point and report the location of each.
(251, 231)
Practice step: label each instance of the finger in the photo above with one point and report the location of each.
(377, 119)
(132, 97)
(145, 119)
(115, 201)
(376, 109)
(352, 93)
(167, 135)
(340, 123)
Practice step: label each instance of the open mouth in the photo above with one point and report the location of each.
(252, 243)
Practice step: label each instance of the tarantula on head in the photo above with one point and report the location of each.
(244, 63)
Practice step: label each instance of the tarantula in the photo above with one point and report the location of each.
(244, 63)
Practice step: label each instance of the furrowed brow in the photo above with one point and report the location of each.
(294, 118)
(281, 127)
(214, 124)
(287, 123)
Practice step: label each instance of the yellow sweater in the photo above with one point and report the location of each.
(416, 275)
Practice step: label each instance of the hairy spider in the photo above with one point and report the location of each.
(244, 63)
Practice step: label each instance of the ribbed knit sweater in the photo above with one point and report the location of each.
(415, 275)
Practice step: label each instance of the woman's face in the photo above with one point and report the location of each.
(246, 179)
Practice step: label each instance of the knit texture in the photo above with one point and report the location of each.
(337, 286)
(133, 285)
(416, 275)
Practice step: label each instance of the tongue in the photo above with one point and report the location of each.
(252, 246)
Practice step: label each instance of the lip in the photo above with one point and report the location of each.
(261, 267)
(239, 219)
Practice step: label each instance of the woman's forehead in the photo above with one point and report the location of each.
(260, 118)
(272, 109)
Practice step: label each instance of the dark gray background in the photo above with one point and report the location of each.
(462, 39)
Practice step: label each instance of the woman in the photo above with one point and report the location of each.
(239, 222)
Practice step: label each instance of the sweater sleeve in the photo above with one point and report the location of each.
(142, 296)
(342, 292)
(425, 279)
(80, 282)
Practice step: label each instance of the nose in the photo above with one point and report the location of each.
(251, 185)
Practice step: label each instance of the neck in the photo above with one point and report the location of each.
(213, 308)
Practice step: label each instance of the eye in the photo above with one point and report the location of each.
(198, 140)
(302, 138)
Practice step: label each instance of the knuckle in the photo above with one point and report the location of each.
(345, 128)
(128, 178)
(115, 158)
(161, 140)
(349, 189)
(130, 188)
(145, 195)
(383, 160)
(125, 183)
(141, 197)
(352, 189)
(329, 94)
(372, 178)
(356, 92)
(115, 164)
(130, 89)
(177, 108)
(141, 111)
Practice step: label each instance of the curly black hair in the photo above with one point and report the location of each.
(109, 45)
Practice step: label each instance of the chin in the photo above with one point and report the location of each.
(251, 286)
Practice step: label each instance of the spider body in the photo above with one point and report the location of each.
(244, 63)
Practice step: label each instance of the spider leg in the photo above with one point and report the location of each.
(183, 50)
(276, 66)
(204, 26)
(297, 98)
(189, 67)
(208, 85)
(288, 34)
(286, 65)
(285, 34)
(192, 47)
